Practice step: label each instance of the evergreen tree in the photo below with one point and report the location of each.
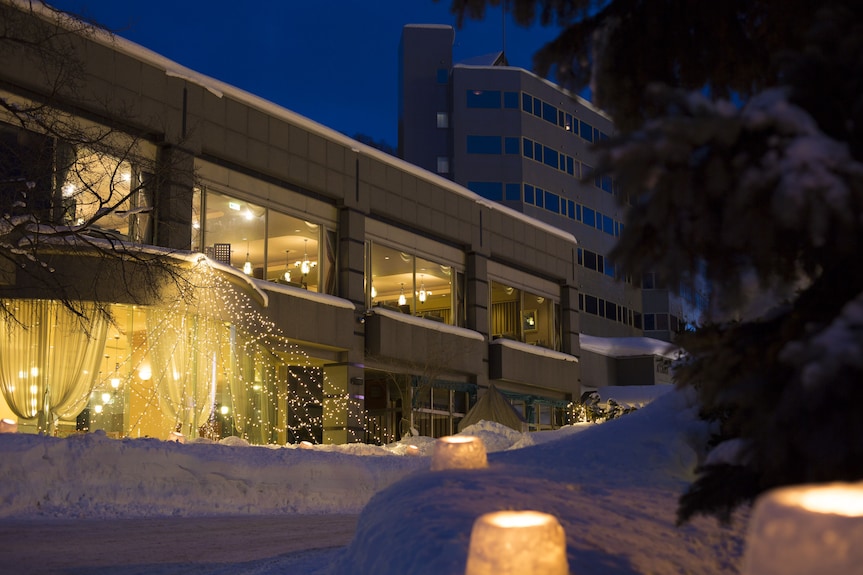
(738, 152)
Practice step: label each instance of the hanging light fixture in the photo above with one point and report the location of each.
(402, 300)
(374, 292)
(305, 265)
(422, 293)
(287, 268)
(247, 267)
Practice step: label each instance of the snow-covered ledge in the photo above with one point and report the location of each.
(427, 323)
(534, 349)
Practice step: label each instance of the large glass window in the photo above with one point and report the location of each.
(524, 316)
(62, 183)
(267, 244)
(415, 285)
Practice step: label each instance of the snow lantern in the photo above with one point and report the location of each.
(8, 426)
(176, 437)
(412, 450)
(458, 452)
(517, 543)
(306, 445)
(806, 530)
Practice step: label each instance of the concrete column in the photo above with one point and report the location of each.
(174, 184)
(478, 304)
(569, 320)
(344, 407)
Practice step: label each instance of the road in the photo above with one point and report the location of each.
(168, 545)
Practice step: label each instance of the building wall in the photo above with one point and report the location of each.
(208, 135)
(496, 113)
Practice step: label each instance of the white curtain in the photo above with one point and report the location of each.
(49, 358)
(182, 348)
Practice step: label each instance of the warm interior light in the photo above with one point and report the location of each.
(422, 293)
(374, 292)
(145, 373)
(224, 410)
(97, 408)
(106, 398)
(247, 267)
(459, 452)
(115, 382)
(305, 265)
(806, 529)
(287, 274)
(402, 300)
(515, 542)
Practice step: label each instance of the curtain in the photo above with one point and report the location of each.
(183, 348)
(504, 319)
(49, 358)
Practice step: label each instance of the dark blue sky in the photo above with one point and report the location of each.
(334, 61)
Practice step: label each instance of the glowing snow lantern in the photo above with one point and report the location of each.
(412, 450)
(458, 452)
(517, 543)
(306, 445)
(176, 437)
(8, 426)
(806, 530)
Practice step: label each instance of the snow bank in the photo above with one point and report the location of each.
(613, 486)
(94, 476)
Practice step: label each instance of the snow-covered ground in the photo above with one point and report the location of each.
(613, 487)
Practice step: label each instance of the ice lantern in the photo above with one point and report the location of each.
(517, 543)
(8, 426)
(458, 452)
(806, 530)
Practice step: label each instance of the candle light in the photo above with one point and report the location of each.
(517, 543)
(458, 452)
(806, 530)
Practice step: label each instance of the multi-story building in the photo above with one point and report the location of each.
(263, 275)
(519, 140)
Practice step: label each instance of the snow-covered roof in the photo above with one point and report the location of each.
(534, 349)
(628, 346)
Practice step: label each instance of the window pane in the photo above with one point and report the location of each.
(483, 99)
(488, 190)
(483, 145)
(586, 131)
(552, 202)
(392, 278)
(528, 148)
(513, 192)
(529, 194)
(442, 120)
(550, 157)
(442, 165)
(235, 233)
(588, 217)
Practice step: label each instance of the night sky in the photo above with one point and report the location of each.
(334, 61)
